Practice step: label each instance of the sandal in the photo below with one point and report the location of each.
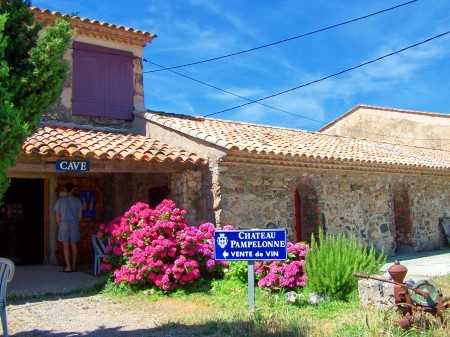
(65, 271)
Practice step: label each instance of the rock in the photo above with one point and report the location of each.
(315, 298)
(291, 296)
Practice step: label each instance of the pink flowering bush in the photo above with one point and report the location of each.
(155, 247)
(287, 274)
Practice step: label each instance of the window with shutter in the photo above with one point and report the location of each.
(102, 82)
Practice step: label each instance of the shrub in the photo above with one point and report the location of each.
(333, 260)
(289, 274)
(237, 270)
(157, 248)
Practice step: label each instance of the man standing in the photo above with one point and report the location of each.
(68, 211)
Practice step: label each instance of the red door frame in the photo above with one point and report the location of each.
(298, 221)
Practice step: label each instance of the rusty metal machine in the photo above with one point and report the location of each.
(412, 303)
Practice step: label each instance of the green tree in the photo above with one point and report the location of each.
(32, 74)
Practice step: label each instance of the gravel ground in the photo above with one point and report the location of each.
(101, 315)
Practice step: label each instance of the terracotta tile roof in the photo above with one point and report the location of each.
(283, 142)
(70, 142)
(95, 28)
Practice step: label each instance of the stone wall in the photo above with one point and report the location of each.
(249, 196)
(186, 192)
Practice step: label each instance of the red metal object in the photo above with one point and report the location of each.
(398, 273)
(412, 303)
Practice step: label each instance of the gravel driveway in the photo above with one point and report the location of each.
(101, 315)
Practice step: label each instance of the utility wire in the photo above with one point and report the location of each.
(291, 113)
(231, 93)
(285, 40)
(333, 75)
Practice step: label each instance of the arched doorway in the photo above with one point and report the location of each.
(403, 231)
(307, 220)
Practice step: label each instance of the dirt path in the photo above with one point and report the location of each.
(101, 315)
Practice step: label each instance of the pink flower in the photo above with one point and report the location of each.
(156, 247)
(284, 274)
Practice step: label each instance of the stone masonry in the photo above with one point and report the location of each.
(352, 202)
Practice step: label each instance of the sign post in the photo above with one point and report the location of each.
(250, 246)
(251, 285)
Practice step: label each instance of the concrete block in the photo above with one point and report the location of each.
(377, 293)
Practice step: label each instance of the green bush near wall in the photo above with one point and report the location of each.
(333, 260)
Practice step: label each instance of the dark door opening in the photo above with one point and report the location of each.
(402, 220)
(307, 220)
(22, 222)
(157, 194)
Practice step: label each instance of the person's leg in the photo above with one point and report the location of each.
(66, 246)
(74, 245)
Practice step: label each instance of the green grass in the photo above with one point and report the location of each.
(221, 309)
(273, 316)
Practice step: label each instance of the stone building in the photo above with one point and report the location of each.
(100, 136)
(258, 176)
(86, 138)
(407, 127)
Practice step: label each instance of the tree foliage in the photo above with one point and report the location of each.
(32, 74)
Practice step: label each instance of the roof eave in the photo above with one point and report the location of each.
(96, 29)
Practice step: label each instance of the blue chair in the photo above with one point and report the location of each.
(99, 252)
(6, 274)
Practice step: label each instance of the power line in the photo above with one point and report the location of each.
(258, 101)
(333, 75)
(233, 94)
(288, 112)
(285, 40)
(291, 113)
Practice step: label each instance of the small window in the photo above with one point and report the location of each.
(102, 82)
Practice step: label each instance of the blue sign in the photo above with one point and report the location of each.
(72, 165)
(250, 245)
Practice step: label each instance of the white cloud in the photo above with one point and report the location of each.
(405, 64)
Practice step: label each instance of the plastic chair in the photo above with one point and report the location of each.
(6, 274)
(99, 251)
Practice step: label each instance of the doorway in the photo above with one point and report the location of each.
(22, 222)
(307, 221)
(402, 220)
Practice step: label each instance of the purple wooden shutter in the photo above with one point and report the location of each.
(88, 81)
(119, 86)
(102, 83)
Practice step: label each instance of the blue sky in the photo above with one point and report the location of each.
(194, 30)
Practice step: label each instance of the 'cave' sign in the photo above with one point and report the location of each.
(250, 245)
(72, 165)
